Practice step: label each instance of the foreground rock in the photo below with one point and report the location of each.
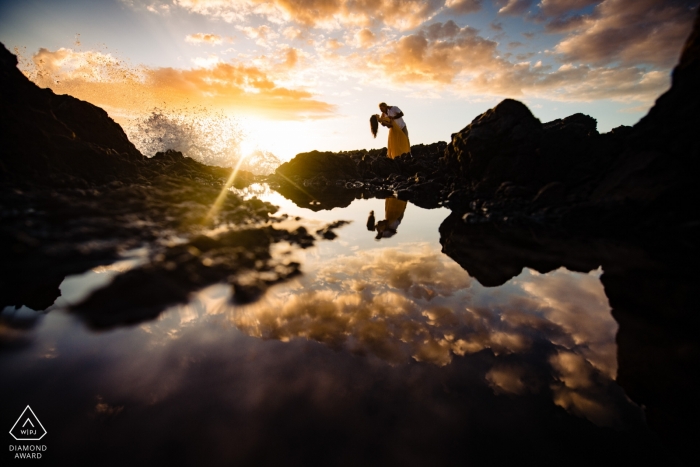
(75, 193)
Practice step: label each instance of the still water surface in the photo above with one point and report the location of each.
(384, 352)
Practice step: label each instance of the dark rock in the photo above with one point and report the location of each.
(325, 180)
(551, 192)
(500, 144)
(308, 165)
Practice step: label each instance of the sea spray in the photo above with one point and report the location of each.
(208, 137)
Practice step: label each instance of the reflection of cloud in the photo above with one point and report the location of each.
(105, 81)
(583, 313)
(398, 305)
(576, 390)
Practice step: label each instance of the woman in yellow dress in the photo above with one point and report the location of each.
(398, 141)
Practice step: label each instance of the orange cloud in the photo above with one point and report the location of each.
(464, 6)
(437, 53)
(364, 38)
(202, 38)
(105, 81)
(402, 14)
(446, 54)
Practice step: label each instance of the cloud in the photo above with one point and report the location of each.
(464, 6)
(437, 53)
(292, 33)
(458, 58)
(401, 14)
(210, 39)
(333, 44)
(364, 38)
(564, 7)
(649, 32)
(513, 7)
(106, 81)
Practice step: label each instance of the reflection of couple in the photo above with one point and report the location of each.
(393, 214)
(392, 118)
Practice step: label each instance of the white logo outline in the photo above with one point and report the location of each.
(20, 418)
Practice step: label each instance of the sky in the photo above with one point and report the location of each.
(299, 75)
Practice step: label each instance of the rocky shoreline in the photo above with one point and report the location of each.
(75, 193)
(506, 166)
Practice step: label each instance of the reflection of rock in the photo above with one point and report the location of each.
(242, 258)
(494, 254)
(652, 288)
(658, 350)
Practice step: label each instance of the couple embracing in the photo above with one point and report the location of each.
(392, 118)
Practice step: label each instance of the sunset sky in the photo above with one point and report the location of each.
(300, 75)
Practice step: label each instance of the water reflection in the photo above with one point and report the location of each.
(412, 302)
(380, 354)
(393, 215)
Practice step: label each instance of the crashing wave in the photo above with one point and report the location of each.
(210, 138)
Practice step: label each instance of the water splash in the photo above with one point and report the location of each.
(206, 136)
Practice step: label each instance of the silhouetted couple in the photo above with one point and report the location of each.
(392, 118)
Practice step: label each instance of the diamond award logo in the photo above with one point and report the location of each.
(28, 427)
